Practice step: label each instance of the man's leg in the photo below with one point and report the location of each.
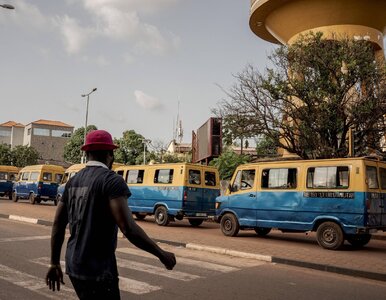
(91, 289)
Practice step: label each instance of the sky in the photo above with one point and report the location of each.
(143, 56)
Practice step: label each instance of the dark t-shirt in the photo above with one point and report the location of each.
(91, 248)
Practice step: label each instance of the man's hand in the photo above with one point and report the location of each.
(168, 259)
(54, 277)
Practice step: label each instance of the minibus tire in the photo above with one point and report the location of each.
(161, 216)
(195, 222)
(32, 198)
(358, 240)
(229, 225)
(14, 197)
(262, 231)
(10, 196)
(330, 236)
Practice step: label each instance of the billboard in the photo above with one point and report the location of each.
(206, 144)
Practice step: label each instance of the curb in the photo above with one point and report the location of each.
(229, 252)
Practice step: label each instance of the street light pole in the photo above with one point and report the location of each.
(145, 141)
(83, 160)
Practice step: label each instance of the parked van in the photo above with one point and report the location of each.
(38, 183)
(340, 199)
(8, 175)
(172, 191)
(70, 172)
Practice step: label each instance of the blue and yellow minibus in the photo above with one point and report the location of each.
(8, 175)
(172, 191)
(38, 183)
(340, 199)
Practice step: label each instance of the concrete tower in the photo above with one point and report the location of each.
(282, 21)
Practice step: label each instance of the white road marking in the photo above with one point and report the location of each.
(23, 219)
(34, 284)
(125, 284)
(137, 266)
(185, 261)
(25, 238)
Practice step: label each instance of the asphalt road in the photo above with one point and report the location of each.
(25, 251)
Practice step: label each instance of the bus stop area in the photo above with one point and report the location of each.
(297, 249)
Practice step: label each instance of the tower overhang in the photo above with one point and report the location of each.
(282, 21)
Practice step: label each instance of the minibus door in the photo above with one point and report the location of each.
(193, 194)
(374, 198)
(242, 197)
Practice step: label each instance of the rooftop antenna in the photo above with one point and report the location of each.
(179, 133)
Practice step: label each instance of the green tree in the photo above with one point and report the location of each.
(5, 155)
(316, 91)
(130, 151)
(72, 152)
(24, 156)
(227, 163)
(266, 146)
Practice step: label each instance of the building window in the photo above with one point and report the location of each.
(41, 131)
(61, 133)
(328, 177)
(5, 133)
(163, 176)
(279, 179)
(135, 176)
(29, 131)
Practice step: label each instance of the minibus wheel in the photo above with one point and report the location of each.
(359, 240)
(161, 216)
(32, 198)
(262, 231)
(14, 197)
(330, 236)
(195, 222)
(229, 225)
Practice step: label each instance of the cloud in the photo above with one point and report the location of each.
(147, 102)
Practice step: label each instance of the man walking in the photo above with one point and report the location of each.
(94, 202)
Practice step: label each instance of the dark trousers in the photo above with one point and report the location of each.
(91, 289)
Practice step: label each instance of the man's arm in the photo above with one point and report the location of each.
(135, 234)
(55, 275)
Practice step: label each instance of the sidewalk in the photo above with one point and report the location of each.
(285, 248)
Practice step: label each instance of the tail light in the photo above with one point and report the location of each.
(185, 196)
(368, 203)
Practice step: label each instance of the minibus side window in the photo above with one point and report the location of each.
(195, 177)
(328, 177)
(210, 178)
(383, 178)
(25, 176)
(135, 176)
(279, 178)
(163, 176)
(120, 172)
(47, 176)
(244, 180)
(34, 176)
(58, 178)
(12, 176)
(3, 176)
(371, 177)
(65, 178)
